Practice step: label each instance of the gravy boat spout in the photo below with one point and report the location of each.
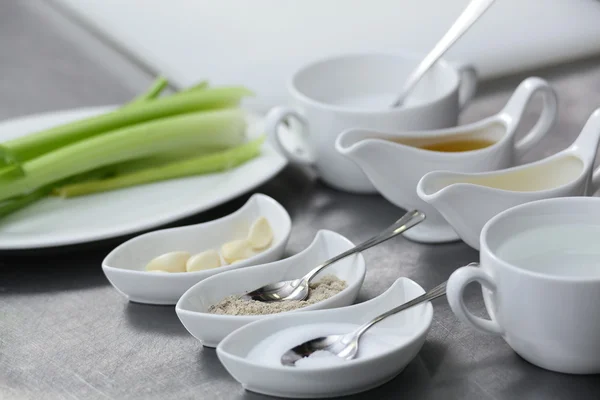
(395, 161)
(468, 200)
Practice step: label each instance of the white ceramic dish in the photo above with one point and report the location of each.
(358, 375)
(210, 329)
(468, 200)
(384, 154)
(58, 222)
(356, 91)
(124, 266)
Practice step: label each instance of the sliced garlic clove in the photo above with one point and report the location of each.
(236, 250)
(261, 234)
(169, 262)
(208, 259)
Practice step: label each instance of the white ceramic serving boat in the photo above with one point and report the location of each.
(125, 265)
(396, 161)
(407, 330)
(468, 201)
(210, 329)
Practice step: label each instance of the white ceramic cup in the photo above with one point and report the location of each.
(331, 95)
(547, 312)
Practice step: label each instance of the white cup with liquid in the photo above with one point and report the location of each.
(357, 91)
(540, 277)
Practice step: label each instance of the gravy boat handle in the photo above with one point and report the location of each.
(513, 111)
(586, 145)
(595, 182)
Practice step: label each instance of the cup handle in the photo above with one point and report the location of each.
(455, 294)
(299, 154)
(468, 84)
(517, 104)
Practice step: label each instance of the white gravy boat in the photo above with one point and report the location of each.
(395, 161)
(469, 200)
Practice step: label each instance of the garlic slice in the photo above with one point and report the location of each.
(261, 234)
(169, 262)
(208, 259)
(236, 250)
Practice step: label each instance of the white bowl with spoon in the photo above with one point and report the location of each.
(299, 288)
(253, 357)
(220, 305)
(210, 329)
(357, 90)
(352, 91)
(125, 265)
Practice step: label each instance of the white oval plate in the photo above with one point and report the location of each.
(408, 330)
(125, 266)
(57, 222)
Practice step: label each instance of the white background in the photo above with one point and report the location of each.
(259, 43)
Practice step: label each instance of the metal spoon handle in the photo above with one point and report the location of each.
(407, 221)
(434, 293)
(471, 14)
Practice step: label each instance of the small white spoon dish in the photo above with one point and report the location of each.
(252, 354)
(210, 329)
(125, 265)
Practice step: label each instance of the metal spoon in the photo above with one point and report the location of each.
(298, 289)
(346, 346)
(474, 10)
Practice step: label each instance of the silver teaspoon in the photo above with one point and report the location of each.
(474, 10)
(298, 289)
(346, 346)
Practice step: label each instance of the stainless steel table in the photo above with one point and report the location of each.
(66, 334)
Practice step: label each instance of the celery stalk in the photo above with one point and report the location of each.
(155, 90)
(11, 169)
(28, 147)
(194, 166)
(197, 87)
(16, 203)
(210, 129)
(160, 159)
(8, 171)
(12, 205)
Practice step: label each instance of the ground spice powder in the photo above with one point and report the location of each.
(326, 287)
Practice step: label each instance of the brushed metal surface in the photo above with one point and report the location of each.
(66, 334)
